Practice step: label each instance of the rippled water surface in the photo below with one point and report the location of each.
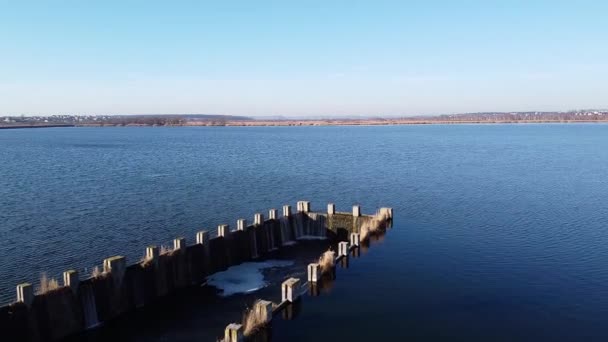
(501, 231)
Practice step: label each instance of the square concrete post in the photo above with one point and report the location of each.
(25, 294)
(273, 214)
(223, 230)
(233, 333)
(355, 239)
(152, 254)
(241, 224)
(299, 206)
(258, 219)
(290, 289)
(343, 248)
(356, 210)
(306, 206)
(331, 209)
(179, 243)
(286, 210)
(388, 212)
(314, 272)
(202, 237)
(263, 309)
(115, 265)
(70, 279)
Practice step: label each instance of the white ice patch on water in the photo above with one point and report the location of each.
(244, 278)
(312, 237)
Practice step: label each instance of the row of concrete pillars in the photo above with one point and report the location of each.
(290, 291)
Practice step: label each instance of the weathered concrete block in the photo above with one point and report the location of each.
(223, 230)
(25, 293)
(202, 237)
(356, 210)
(152, 254)
(343, 248)
(273, 214)
(386, 212)
(286, 210)
(304, 206)
(117, 266)
(233, 333)
(258, 219)
(355, 239)
(179, 243)
(331, 209)
(241, 224)
(290, 289)
(263, 309)
(71, 280)
(314, 272)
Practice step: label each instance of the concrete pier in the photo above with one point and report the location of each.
(223, 230)
(25, 294)
(85, 303)
(290, 290)
(233, 333)
(356, 210)
(343, 249)
(314, 272)
(331, 209)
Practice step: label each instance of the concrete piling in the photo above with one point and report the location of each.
(306, 206)
(331, 209)
(115, 265)
(233, 333)
(263, 309)
(138, 286)
(25, 294)
(258, 219)
(71, 280)
(223, 230)
(179, 243)
(343, 249)
(314, 272)
(356, 210)
(355, 239)
(273, 214)
(303, 206)
(241, 224)
(202, 237)
(290, 289)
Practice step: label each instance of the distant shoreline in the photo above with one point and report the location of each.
(303, 123)
(34, 126)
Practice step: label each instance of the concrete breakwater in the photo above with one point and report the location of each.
(80, 304)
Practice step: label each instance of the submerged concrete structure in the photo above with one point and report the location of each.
(120, 288)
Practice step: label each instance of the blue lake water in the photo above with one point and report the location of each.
(500, 233)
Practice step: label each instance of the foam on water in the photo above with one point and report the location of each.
(244, 278)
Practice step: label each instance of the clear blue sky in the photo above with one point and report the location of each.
(302, 58)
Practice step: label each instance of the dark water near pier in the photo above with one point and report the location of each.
(500, 232)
